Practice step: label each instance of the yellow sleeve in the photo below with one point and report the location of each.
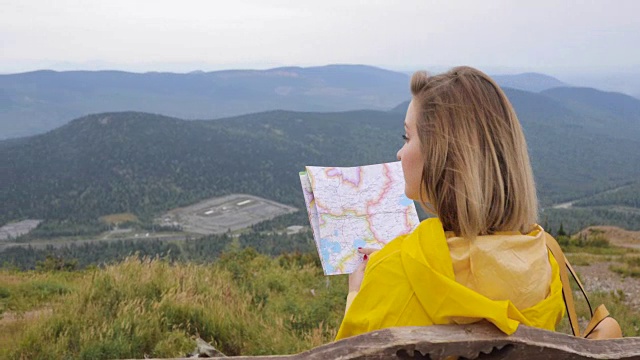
(350, 297)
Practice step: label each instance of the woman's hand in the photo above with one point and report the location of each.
(355, 278)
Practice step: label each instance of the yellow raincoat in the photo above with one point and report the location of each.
(411, 282)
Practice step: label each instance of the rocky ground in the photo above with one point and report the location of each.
(598, 276)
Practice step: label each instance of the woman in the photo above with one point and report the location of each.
(483, 256)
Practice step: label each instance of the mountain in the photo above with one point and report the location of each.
(533, 82)
(626, 195)
(401, 108)
(145, 163)
(34, 102)
(622, 80)
(529, 82)
(611, 108)
(576, 145)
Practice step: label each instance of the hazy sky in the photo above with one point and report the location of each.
(184, 35)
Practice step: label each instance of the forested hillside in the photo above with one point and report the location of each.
(143, 163)
(628, 195)
(581, 151)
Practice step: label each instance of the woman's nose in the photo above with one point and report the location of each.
(398, 155)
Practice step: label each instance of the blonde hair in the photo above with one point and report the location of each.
(476, 176)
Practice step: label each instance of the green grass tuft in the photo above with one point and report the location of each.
(629, 265)
(246, 303)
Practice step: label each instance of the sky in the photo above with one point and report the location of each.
(186, 35)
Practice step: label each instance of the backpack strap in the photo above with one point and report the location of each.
(611, 329)
(567, 294)
(575, 277)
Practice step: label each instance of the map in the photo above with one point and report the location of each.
(351, 207)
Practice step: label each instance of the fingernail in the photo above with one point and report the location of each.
(365, 257)
(359, 248)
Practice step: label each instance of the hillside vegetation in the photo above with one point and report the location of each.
(628, 195)
(245, 303)
(144, 164)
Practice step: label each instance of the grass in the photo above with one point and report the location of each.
(245, 304)
(585, 249)
(21, 292)
(586, 259)
(629, 265)
(27, 297)
(597, 250)
(118, 218)
(594, 247)
(615, 302)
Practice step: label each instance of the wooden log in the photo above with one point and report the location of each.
(474, 341)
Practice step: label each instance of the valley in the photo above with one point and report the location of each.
(224, 214)
(568, 204)
(229, 214)
(46, 244)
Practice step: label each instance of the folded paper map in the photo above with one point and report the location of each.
(351, 207)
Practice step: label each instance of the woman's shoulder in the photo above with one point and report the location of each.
(411, 242)
(425, 226)
(389, 252)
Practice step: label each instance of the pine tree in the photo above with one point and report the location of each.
(561, 231)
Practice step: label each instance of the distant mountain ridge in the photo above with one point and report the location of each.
(534, 82)
(602, 102)
(35, 102)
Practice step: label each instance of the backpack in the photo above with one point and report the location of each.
(601, 325)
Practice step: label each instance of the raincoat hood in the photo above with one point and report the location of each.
(412, 282)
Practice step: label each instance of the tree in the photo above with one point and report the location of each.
(56, 263)
(561, 231)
